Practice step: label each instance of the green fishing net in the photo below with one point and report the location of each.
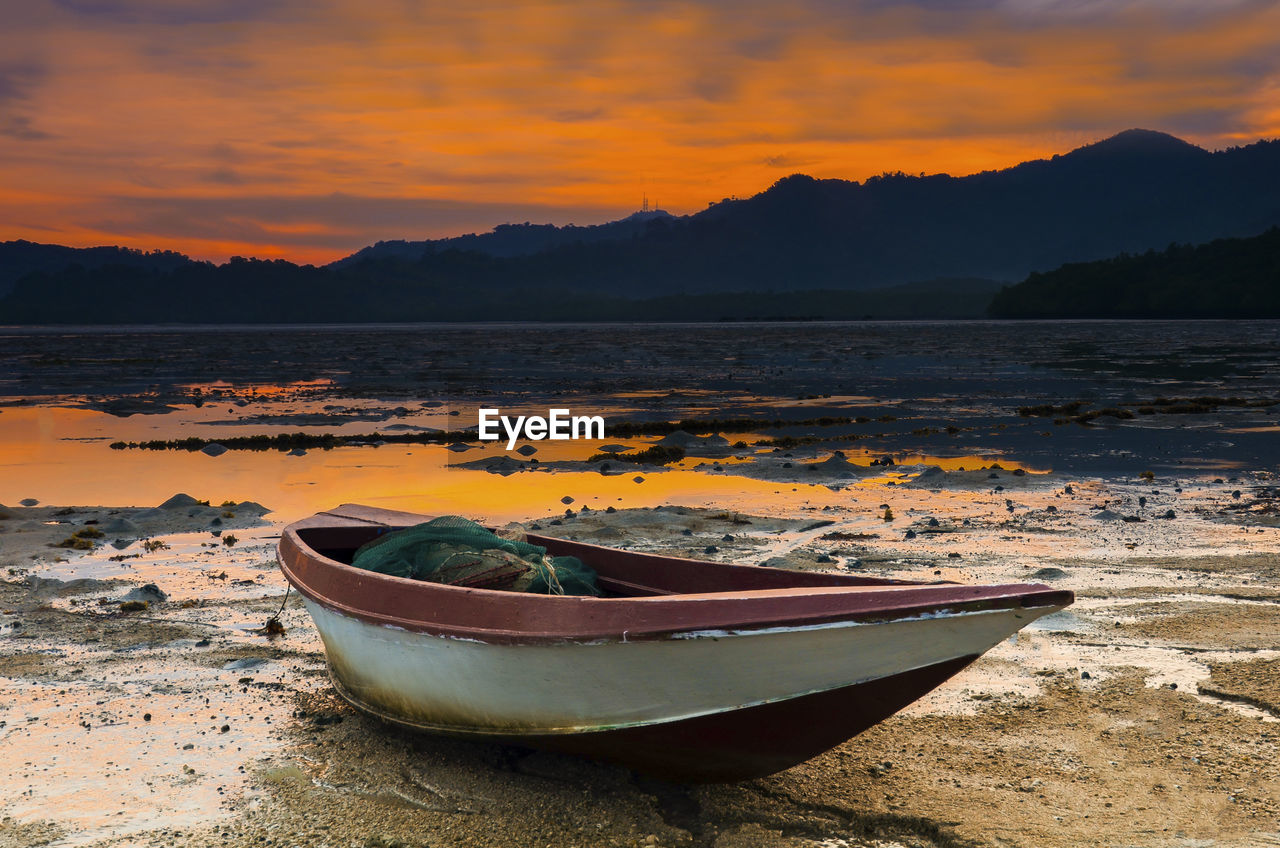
(458, 552)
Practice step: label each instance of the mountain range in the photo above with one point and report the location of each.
(1128, 194)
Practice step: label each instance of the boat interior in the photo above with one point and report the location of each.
(621, 573)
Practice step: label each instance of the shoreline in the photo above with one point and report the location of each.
(1190, 605)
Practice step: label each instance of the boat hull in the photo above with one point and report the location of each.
(696, 685)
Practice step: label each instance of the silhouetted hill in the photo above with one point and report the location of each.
(831, 240)
(1226, 278)
(1137, 190)
(509, 239)
(257, 291)
(19, 258)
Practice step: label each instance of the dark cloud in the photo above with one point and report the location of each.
(173, 12)
(17, 80)
(339, 221)
(787, 160)
(224, 176)
(19, 127)
(569, 116)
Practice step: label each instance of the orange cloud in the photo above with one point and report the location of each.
(308, 130)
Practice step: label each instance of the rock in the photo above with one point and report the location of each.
(681, 439)
(1048, 573)
(711, 549)
(1106, 515)
(121, 527)
(48, 587)
(29, 502)
(566, 500)
(933, 522)
(252, 507)
(910, 534)
(1168, 513)
(179, 501)
(247, 662)
(149, 593)
(214, 449)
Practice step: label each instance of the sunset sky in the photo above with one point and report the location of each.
(306, 129)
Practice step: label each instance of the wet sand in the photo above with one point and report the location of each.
(1146, 714)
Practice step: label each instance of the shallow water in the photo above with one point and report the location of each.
(70, 392)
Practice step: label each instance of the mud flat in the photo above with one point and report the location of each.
(1146, 714)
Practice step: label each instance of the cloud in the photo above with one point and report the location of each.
(337, 222)
(19, 127)
(18, 79)
(251, 126)
(171, 12)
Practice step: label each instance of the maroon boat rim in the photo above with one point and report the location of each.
(778, 598)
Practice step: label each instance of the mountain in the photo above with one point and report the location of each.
(1226, 278)
(1137, 190)
(803, 248)
(510, 239)
(20, 258)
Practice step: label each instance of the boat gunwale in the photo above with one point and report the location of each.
(487, 615)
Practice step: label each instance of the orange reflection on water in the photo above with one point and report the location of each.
(43, 455)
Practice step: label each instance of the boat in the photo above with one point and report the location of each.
(685, 669)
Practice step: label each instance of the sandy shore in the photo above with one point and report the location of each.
(1144, 715)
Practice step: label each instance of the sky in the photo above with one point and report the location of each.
(306, 129)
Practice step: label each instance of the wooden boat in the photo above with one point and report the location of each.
(687, 669)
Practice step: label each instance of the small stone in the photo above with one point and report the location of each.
(610, 510)
(933, 522)
(146, 716)
(1084, 675)
(149, 593)
(910, 534)
(712, 549)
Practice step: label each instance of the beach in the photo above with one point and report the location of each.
(144, 700)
